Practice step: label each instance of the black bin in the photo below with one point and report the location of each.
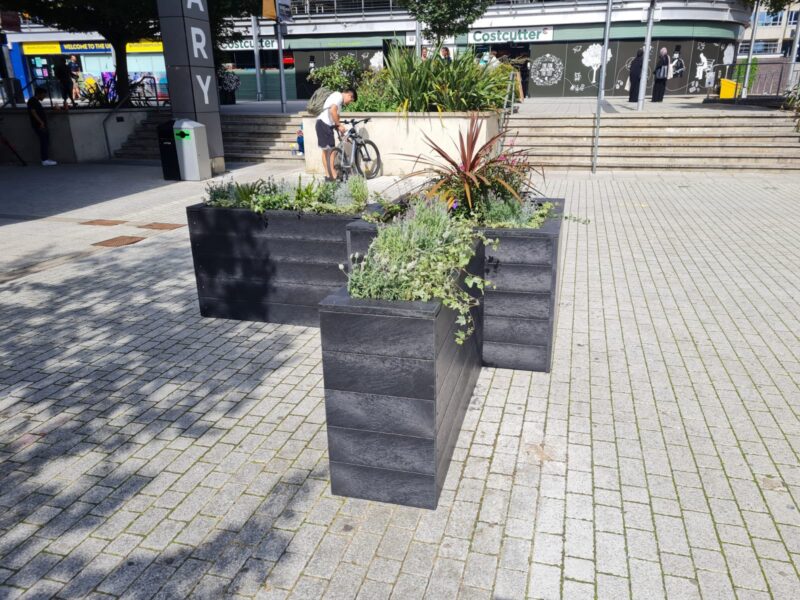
(169, 152)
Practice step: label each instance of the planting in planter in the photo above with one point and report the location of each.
(401, 349)
(271, 251)
(492, 186)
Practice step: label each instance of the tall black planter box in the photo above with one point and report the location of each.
(397, 387)
(274, 267)
(520, 307)
(520, 310)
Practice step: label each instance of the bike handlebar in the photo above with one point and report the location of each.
(355, 122)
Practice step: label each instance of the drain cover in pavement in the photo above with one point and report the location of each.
(161, 226)
(122, 240)
(103, 222)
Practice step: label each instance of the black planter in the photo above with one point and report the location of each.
(274, 267)
(520, 310)
(227, 97)
(397, 387)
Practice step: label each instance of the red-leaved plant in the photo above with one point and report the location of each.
(476, 169)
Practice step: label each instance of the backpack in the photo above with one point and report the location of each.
(317, 101)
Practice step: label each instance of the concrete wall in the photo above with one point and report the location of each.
(397, 135)
(75, 135)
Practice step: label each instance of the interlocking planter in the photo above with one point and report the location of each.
(274, 267)
(397, 387)
(520, 307)
(521, 304)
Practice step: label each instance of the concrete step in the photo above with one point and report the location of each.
(673, 153)
(755, 143)
(262, 157)
(650, 162)
(662, 131)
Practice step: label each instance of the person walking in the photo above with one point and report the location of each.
(39, 123)
(662, 74)
(327, 121)
(636, 76)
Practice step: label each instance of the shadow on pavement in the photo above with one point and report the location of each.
(143, 447)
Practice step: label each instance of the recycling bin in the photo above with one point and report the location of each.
(169, 153)
(191, 143)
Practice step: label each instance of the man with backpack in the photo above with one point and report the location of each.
(328, 119)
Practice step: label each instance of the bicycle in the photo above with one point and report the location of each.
(363, 155)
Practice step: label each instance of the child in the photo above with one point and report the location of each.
(301, 142)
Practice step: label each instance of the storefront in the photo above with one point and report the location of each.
(95, 63)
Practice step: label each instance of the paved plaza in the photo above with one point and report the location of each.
(146, 452)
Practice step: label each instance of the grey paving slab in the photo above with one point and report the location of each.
(147, 452)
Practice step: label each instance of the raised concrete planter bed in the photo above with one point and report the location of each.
(520, 311)
(521, 305)
(274, 267)
(399, 134)
(397, 387)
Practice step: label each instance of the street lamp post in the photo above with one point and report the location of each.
(602, 89)
(753, 28)
(646, 64)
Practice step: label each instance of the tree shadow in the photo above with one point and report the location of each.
(142, 447)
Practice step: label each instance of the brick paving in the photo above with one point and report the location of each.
(146, 452)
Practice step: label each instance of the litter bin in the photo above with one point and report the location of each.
(728, 89)
(192, 145)
(169, 153)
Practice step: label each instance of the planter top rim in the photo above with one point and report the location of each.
(203, 206)
(341, 302)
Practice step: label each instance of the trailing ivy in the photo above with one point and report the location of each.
(422, 256)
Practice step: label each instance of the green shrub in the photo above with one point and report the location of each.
(417, 85)
(373, 94)
(421, 257)
(345, 72)
(263, 195)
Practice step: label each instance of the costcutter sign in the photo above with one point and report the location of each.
(508, 36)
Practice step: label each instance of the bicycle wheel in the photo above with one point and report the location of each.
(368, 159)
(340, 170)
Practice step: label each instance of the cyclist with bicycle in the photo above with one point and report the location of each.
(328, 120)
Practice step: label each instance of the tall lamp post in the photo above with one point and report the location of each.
(753, 28)
(648, 41)
(601, 91)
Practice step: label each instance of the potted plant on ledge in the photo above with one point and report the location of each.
(401, 348)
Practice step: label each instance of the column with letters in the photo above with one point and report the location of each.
(192, 77)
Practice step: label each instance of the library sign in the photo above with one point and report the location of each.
(192, 79)
(520, 35)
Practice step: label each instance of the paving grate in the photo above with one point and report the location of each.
(161, 226)
(103, 222)
(122, 240)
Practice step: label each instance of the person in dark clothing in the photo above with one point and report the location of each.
(636, 76)
(39, 123)
(65, 82)
(662, 74)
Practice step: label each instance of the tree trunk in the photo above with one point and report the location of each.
(121, 57)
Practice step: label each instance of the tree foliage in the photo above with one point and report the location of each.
(771, 6)
(445, 18)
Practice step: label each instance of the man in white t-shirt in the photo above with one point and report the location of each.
(327, 121)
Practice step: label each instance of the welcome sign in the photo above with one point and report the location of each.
(509, 36)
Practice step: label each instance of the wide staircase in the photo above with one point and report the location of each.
(694, 139)
(247, 138)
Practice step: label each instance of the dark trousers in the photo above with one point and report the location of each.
(633, 96)
(44, 143)
(659, 87)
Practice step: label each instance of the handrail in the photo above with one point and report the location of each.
(12, 99)
(121, 104)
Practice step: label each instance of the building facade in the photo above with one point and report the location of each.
(775, 34)
(557, 42)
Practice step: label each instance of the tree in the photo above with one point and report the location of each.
(445, 18)
(771, 6)
(118, 21)
(121, 22)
